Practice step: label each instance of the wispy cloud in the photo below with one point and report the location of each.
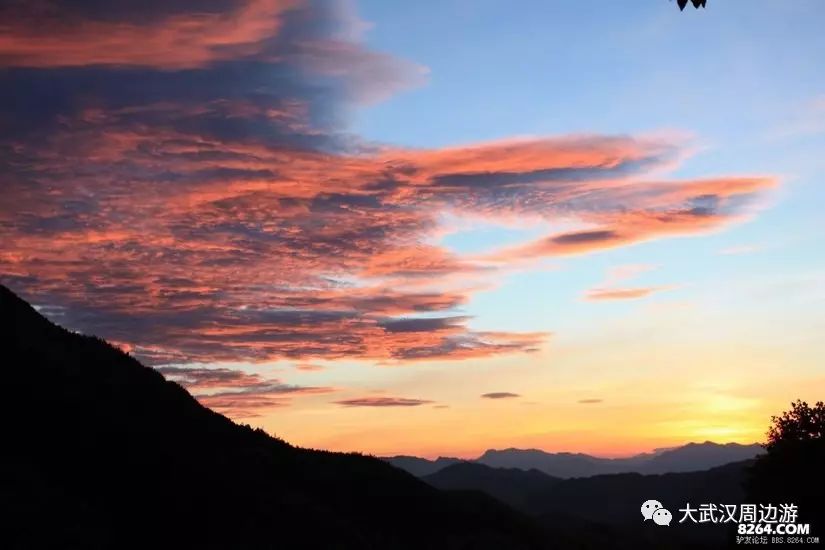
(614, 287)
(740, 249)
(598, 294)
(500, 395)
(801, 121)
(309, 367)
(382, 402)
(235, 392)
(620, 273)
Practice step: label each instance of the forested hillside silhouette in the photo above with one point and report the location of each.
(102, 452)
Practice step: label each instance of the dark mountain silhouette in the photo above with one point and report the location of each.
(609, 504)
(692, 457)
(102, 452)
(699, 456)
(616, 498)
(420, 467)
(509, 485)
(557, 464)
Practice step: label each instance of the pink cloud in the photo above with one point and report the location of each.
(44, 36)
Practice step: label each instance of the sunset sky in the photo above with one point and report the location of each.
(431, 227)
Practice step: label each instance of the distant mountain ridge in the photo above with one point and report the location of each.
(692, 457)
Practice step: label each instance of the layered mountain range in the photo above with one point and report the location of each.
(692, 457)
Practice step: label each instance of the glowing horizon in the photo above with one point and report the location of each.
(430, 229)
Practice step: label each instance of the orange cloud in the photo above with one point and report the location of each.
(699, 207)
(598, 294)
(255, 253)
(44, 36)
(309, 367)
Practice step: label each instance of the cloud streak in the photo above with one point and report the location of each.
(309, 367)
(604, 294)
(500, 395)
(382, 402)
(237, 393)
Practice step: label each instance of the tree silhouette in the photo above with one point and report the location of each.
(802, 423)
(791, 472)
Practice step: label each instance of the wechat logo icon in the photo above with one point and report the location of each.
(653, 509)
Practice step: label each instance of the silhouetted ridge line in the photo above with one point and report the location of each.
(103, 452)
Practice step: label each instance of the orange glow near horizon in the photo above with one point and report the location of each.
(565, 245)
(631, 417)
